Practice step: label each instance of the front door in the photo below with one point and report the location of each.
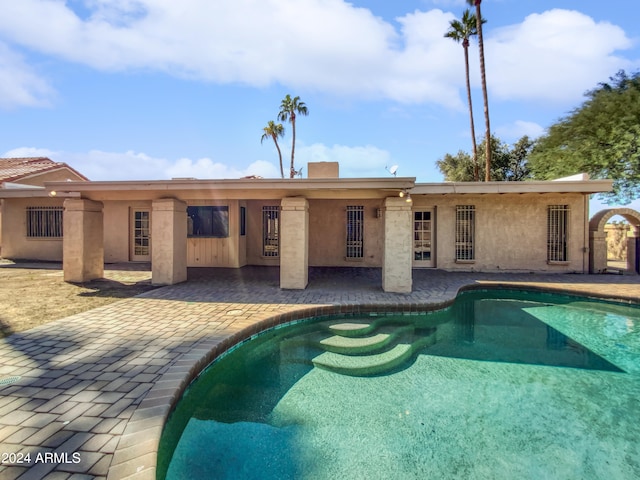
(140, 235)
(422, 238)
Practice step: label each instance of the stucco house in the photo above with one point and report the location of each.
(23, 179)
(391, 223)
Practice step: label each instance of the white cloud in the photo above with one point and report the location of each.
(554, 56)
(99, 165)
(20, 85)
(324, 45)
(358, 162)
(329, 46)
(207, 168)
(355, 161)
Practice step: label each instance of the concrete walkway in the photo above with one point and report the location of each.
(87, 396)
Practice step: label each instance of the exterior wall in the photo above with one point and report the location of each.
(328, 233)
(15, 243)
(242, 239)
(254, 233)
(117, 229)
(215, 252)
(38, 179)
(510, 231)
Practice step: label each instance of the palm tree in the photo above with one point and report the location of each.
(461, 31)
(274, 130)
(289, 107)
(483, 75)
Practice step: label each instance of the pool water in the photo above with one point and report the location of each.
(500, 385)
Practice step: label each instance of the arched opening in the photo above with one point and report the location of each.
(608, 240)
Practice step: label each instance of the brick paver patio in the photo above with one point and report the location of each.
(92, 391)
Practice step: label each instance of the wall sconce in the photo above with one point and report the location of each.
(378, 213)
(408, 198)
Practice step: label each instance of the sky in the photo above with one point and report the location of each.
(158, 89)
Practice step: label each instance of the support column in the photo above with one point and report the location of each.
(597, 252)
(168, 241)
(294, 243)
(398, 246)
(632, 252)
(82, 241)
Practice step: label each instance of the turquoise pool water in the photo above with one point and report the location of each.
(500, 385)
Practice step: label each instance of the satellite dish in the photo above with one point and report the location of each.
(392, 170)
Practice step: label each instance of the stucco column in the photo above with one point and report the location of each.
(398, 246)
(82, 241)
(294, 243)
(597, 252)
(632, 239)
(168, 241)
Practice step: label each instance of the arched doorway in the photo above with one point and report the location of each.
(598, 242)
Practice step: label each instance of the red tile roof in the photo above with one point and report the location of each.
(15, 169)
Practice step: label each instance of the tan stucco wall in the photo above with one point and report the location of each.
(327, 233)
(38, 180)
(15, 244)
(242, 240)
(117, 229)
(216, 252)
(510, 231)
(254, 233)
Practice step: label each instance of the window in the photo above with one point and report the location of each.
(355, 231)
(243, 221)
(44, 222)
(557, 227)
(270, 231)
(208, 222)
(465, 232)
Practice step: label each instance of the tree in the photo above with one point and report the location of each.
(461, 31)
(274, 130)
(601, 137)
(483, 75)
(510, 163)
(289, 108)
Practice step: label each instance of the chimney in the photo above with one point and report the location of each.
(322, 170)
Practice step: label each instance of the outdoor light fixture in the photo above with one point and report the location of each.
(408, 199)
(53, 193)
(401, 194)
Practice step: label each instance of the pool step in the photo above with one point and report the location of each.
(349, 329)
(361, 365)
(355, 345)
(364, 365)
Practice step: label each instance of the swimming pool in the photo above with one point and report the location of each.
(501, 384)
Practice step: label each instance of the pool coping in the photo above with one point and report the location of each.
(136, 454)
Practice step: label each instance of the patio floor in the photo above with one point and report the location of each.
(95, 388)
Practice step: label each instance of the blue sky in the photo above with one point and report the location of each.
(153, 89)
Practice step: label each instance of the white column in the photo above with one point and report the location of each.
(398, 246)
(294, 243)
